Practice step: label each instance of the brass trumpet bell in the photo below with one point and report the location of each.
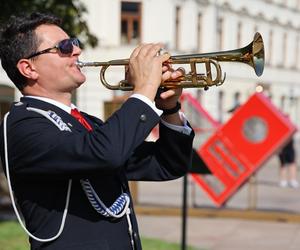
(252, 55)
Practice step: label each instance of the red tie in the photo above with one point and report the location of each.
(75, 113)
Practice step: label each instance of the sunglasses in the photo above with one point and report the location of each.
(65, 47)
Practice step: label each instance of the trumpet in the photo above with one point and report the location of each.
(253, 55)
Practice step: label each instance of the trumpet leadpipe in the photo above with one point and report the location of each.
(81, 64)
(118, 62)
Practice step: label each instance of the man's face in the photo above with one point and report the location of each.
(56, 72)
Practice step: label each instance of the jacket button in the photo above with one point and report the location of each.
(143, 117)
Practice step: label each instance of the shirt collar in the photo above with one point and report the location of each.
(55, 103)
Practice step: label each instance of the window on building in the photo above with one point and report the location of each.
(177, 27)
(236, 99)
(284, 49)
(130, 22)
(4, 108)
(270, 47)
(199, 95)
(220, 106)
(220, 33)
(6, 99)
(282, 102)
(235, 102)
(297, 53)
(239, 35)
(199, 32)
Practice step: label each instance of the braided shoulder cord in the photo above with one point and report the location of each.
(116, 210)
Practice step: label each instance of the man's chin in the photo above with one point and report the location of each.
(81, 80)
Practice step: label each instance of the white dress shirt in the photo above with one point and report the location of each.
(185, 129)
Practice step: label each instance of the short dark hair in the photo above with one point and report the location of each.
(18, 40)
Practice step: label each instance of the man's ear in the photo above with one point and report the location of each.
(27, 69)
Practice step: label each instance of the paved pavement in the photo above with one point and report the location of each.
(224, 233)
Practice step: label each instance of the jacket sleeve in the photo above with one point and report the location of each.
(37, 147)
(167, 158)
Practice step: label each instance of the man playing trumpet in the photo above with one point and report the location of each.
(68, 170)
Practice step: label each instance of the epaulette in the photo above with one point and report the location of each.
(53, 117)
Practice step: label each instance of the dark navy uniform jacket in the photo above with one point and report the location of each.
(42, 159)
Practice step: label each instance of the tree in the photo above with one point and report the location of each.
(71, 12)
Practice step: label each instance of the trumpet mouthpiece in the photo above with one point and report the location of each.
(80, 64)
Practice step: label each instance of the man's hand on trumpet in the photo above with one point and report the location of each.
(145, 69)
(168, 99)
(146, 72)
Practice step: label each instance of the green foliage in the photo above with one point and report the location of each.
(12, 237)
(71, 12)
(153, 244)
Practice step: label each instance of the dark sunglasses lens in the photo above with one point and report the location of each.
(66, 46)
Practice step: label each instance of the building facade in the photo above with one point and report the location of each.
(194, 26)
